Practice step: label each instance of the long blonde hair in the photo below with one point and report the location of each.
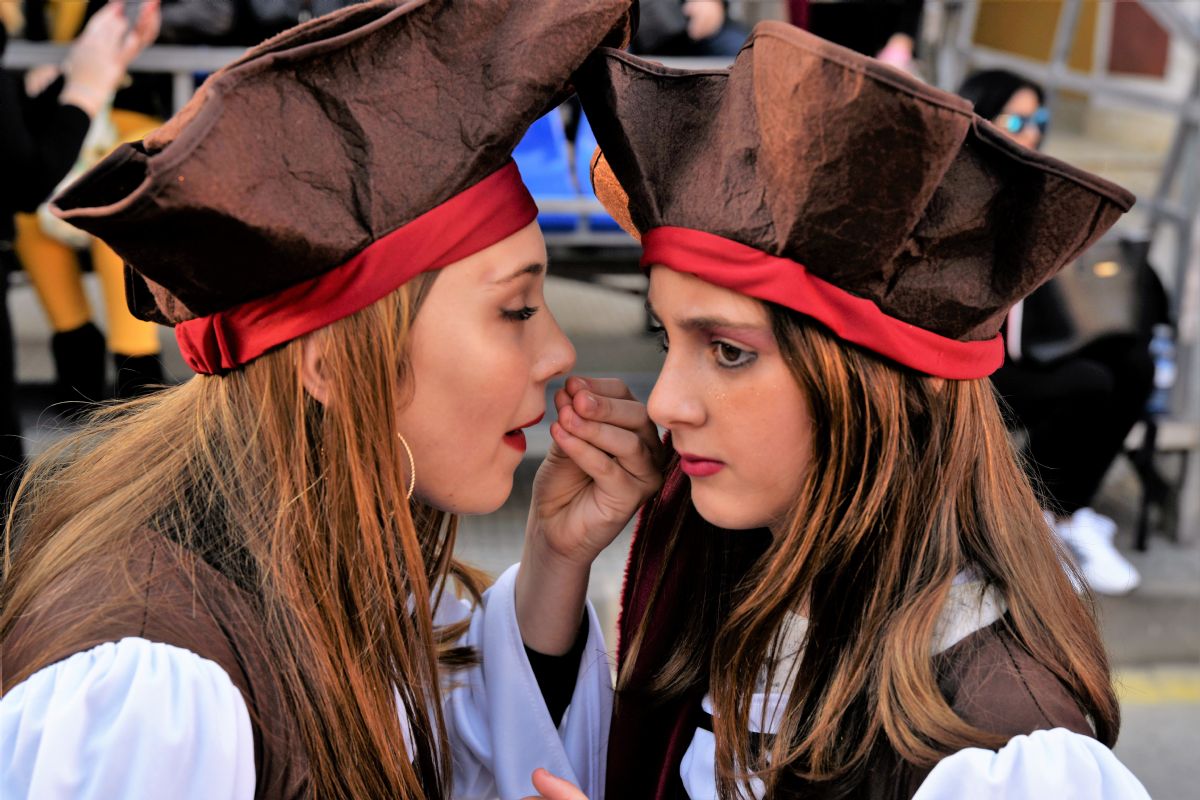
(303, 503)
(912, 481)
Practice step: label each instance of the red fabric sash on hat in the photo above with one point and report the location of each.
(746, 270)
(491, 210)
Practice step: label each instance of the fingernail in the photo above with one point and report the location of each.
(589, 402)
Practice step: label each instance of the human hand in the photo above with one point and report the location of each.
(99, 58)
(605, 462)
(552, 787)
(39, 78)
(705, 18)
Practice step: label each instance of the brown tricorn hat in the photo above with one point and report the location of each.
(332, 163)
(814, 177)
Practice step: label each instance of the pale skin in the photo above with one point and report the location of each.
(98, 59)
(705, 18)
(483, 349)
(726, 395)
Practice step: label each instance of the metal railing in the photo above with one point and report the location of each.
(1174, 206)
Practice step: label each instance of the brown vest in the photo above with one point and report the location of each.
(988, 679)
(166, 594)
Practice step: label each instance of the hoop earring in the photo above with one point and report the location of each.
(412, 467)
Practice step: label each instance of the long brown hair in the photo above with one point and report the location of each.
(304, 504)
(912, 480)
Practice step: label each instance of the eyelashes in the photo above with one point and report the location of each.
(726, 355)
(730, 356)
(519, 314)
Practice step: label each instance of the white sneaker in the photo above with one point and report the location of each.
(1105, 525)
(1089, 537)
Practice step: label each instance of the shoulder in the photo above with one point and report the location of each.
(1046, 763)
(993, 683)
(156, 590)
(129, 718)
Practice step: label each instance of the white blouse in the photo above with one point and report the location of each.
(136, 719)
(1057, 763)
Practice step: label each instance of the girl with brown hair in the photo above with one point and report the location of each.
(846, 587)
(244, 586)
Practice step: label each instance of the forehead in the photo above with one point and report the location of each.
(678, 296)
(1023, 101)
(502, 260)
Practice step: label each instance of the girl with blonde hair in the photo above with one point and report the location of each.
(244, 586)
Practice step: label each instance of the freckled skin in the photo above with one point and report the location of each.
(479, 374)
(754, 418)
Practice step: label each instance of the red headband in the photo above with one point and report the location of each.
(491, 210)
(751, 272)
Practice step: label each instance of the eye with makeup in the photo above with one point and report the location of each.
(519, 314)
(520, 287)
(730, 356)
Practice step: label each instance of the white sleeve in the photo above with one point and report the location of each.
(1055, 763)
(125, 720)
(499, 727)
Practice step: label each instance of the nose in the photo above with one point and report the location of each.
(557, 354)
(675, 403)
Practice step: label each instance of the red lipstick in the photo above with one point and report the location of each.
(516, 437)
(698, 466)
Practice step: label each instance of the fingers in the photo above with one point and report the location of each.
(610, 387)
(628, 414)
(615, 441)
(597, 464)
(609, 401)
(142, 32)
(614, 458)
(553, 787)
(149, 22)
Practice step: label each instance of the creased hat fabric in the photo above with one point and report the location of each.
(840, 187)
(319, 143)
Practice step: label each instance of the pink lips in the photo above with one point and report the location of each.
(699, 467)
(516, 437)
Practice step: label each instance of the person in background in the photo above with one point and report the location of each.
(1078, 410)
(40, 138)
(885, 29)
(50, 250)
(687, 28)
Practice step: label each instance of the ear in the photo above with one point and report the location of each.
(312, 368)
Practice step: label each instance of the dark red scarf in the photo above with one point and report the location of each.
(648, 739)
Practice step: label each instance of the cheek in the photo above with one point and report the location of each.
(773, 445)
(465, 398)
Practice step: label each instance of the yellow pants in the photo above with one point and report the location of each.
(53, 269)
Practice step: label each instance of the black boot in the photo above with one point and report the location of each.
(79, 364)
(137, 375)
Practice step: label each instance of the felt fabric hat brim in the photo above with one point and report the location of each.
(319, 142)
(889, 190)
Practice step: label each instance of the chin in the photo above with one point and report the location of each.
(478, 499)
(724, 510)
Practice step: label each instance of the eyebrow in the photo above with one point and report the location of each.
(531, 269)
(707, 322)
